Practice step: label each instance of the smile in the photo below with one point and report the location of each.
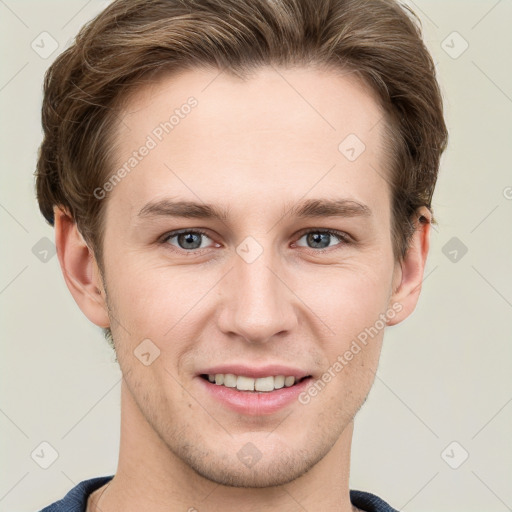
(244, 383)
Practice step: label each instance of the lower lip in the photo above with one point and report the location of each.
(254, 403)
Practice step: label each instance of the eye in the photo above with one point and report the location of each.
(186, 240)
(321, 238)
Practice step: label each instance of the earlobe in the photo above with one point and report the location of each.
(409, 274)
(80, 269)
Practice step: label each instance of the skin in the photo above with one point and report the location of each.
(257, 147)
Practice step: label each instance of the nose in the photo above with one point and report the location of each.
(258, 305)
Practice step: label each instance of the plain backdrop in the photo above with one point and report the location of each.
(435, 432)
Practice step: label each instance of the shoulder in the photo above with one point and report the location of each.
(369, 502)
(76, 499)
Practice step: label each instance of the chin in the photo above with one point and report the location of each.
(281, 470)
(249, 467)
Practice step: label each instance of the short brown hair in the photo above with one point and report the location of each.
(133, 40)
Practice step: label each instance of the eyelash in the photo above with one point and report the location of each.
(343, 237)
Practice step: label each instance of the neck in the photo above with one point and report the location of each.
(150, 477)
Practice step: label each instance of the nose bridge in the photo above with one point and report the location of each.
(258, 304)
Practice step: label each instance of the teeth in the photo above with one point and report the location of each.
(230, 380)
(245, 383)
(279, 382)
(289, 381)
(242, 383)
(264, 384)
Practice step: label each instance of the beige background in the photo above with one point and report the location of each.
(444, 374)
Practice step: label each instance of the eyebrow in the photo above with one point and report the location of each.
(310, 208)
(313, 208)
(186, 209)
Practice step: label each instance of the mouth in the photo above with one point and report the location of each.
(259, 385)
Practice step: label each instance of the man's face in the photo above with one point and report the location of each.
(255, 295)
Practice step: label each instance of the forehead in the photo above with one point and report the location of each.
(279, 135)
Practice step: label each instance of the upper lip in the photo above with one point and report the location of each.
(256, 372)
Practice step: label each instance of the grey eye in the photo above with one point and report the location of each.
(187, 240)
(320, 239)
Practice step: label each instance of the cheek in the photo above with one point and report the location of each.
(348, 297)
(165, 306)
(352, 309)
(151, 301)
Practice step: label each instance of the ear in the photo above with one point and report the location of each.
(408, 275)
(80, 269)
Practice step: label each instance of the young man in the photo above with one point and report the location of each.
(241, 193)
